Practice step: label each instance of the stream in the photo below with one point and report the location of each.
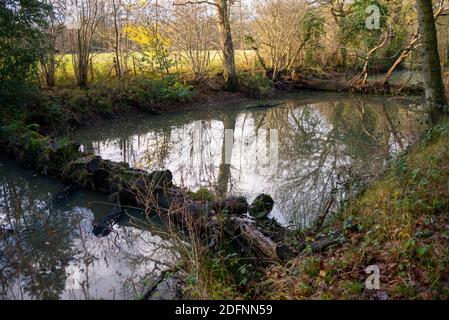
(300, 150)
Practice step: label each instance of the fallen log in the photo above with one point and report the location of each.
(369, 87)
(331, 239)
(256, 239)
(263, 106)
(105, 225)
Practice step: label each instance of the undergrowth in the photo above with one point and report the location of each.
(400, 224)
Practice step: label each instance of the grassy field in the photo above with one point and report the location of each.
(102, 69)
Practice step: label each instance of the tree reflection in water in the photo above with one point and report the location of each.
(52, 252)
(326, 143)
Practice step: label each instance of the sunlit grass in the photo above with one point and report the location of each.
(102, 66)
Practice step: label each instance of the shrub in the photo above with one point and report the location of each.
(144, 93)
(256, 85)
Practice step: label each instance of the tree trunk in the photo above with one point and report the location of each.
(82, 62)
(51, 74)
(344, 56)
(118, 68)
(434, 89)
(224, 28)
(48, 65)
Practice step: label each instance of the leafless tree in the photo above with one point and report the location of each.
(192, 33)
(51, 59)
(283, 29)
(116, 7)
(223, 14)
(89, 13)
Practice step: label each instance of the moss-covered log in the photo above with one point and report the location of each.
(217, 222)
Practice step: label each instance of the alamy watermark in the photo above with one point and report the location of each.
(373, 280)
(372, 22)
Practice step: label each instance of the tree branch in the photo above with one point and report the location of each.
(194, 2)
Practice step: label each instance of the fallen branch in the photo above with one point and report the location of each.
(369, 87)
(322, 216)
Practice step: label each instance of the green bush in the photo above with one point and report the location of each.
(47, 111)
(21, 41)
(256, 85)
(144, 93)
(54, 109)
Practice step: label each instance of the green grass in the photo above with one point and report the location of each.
(403, 228)
(103, 71)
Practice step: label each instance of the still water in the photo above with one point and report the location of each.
(52, 252)
(299, 151)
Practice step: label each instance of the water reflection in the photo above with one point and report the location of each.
(47, 250)
(326, 143)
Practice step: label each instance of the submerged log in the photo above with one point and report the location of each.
(65, 194)
(263, 106)
(105, 226)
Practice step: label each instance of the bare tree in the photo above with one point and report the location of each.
(51, 59)
(89, 14)
(191, 31)
(223, 10)
(283, 28)
(116, 6)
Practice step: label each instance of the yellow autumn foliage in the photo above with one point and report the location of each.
(146, 37)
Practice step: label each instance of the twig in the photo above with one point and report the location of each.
(320, 220)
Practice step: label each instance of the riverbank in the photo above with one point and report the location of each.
(400, 225)
(60, 109)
